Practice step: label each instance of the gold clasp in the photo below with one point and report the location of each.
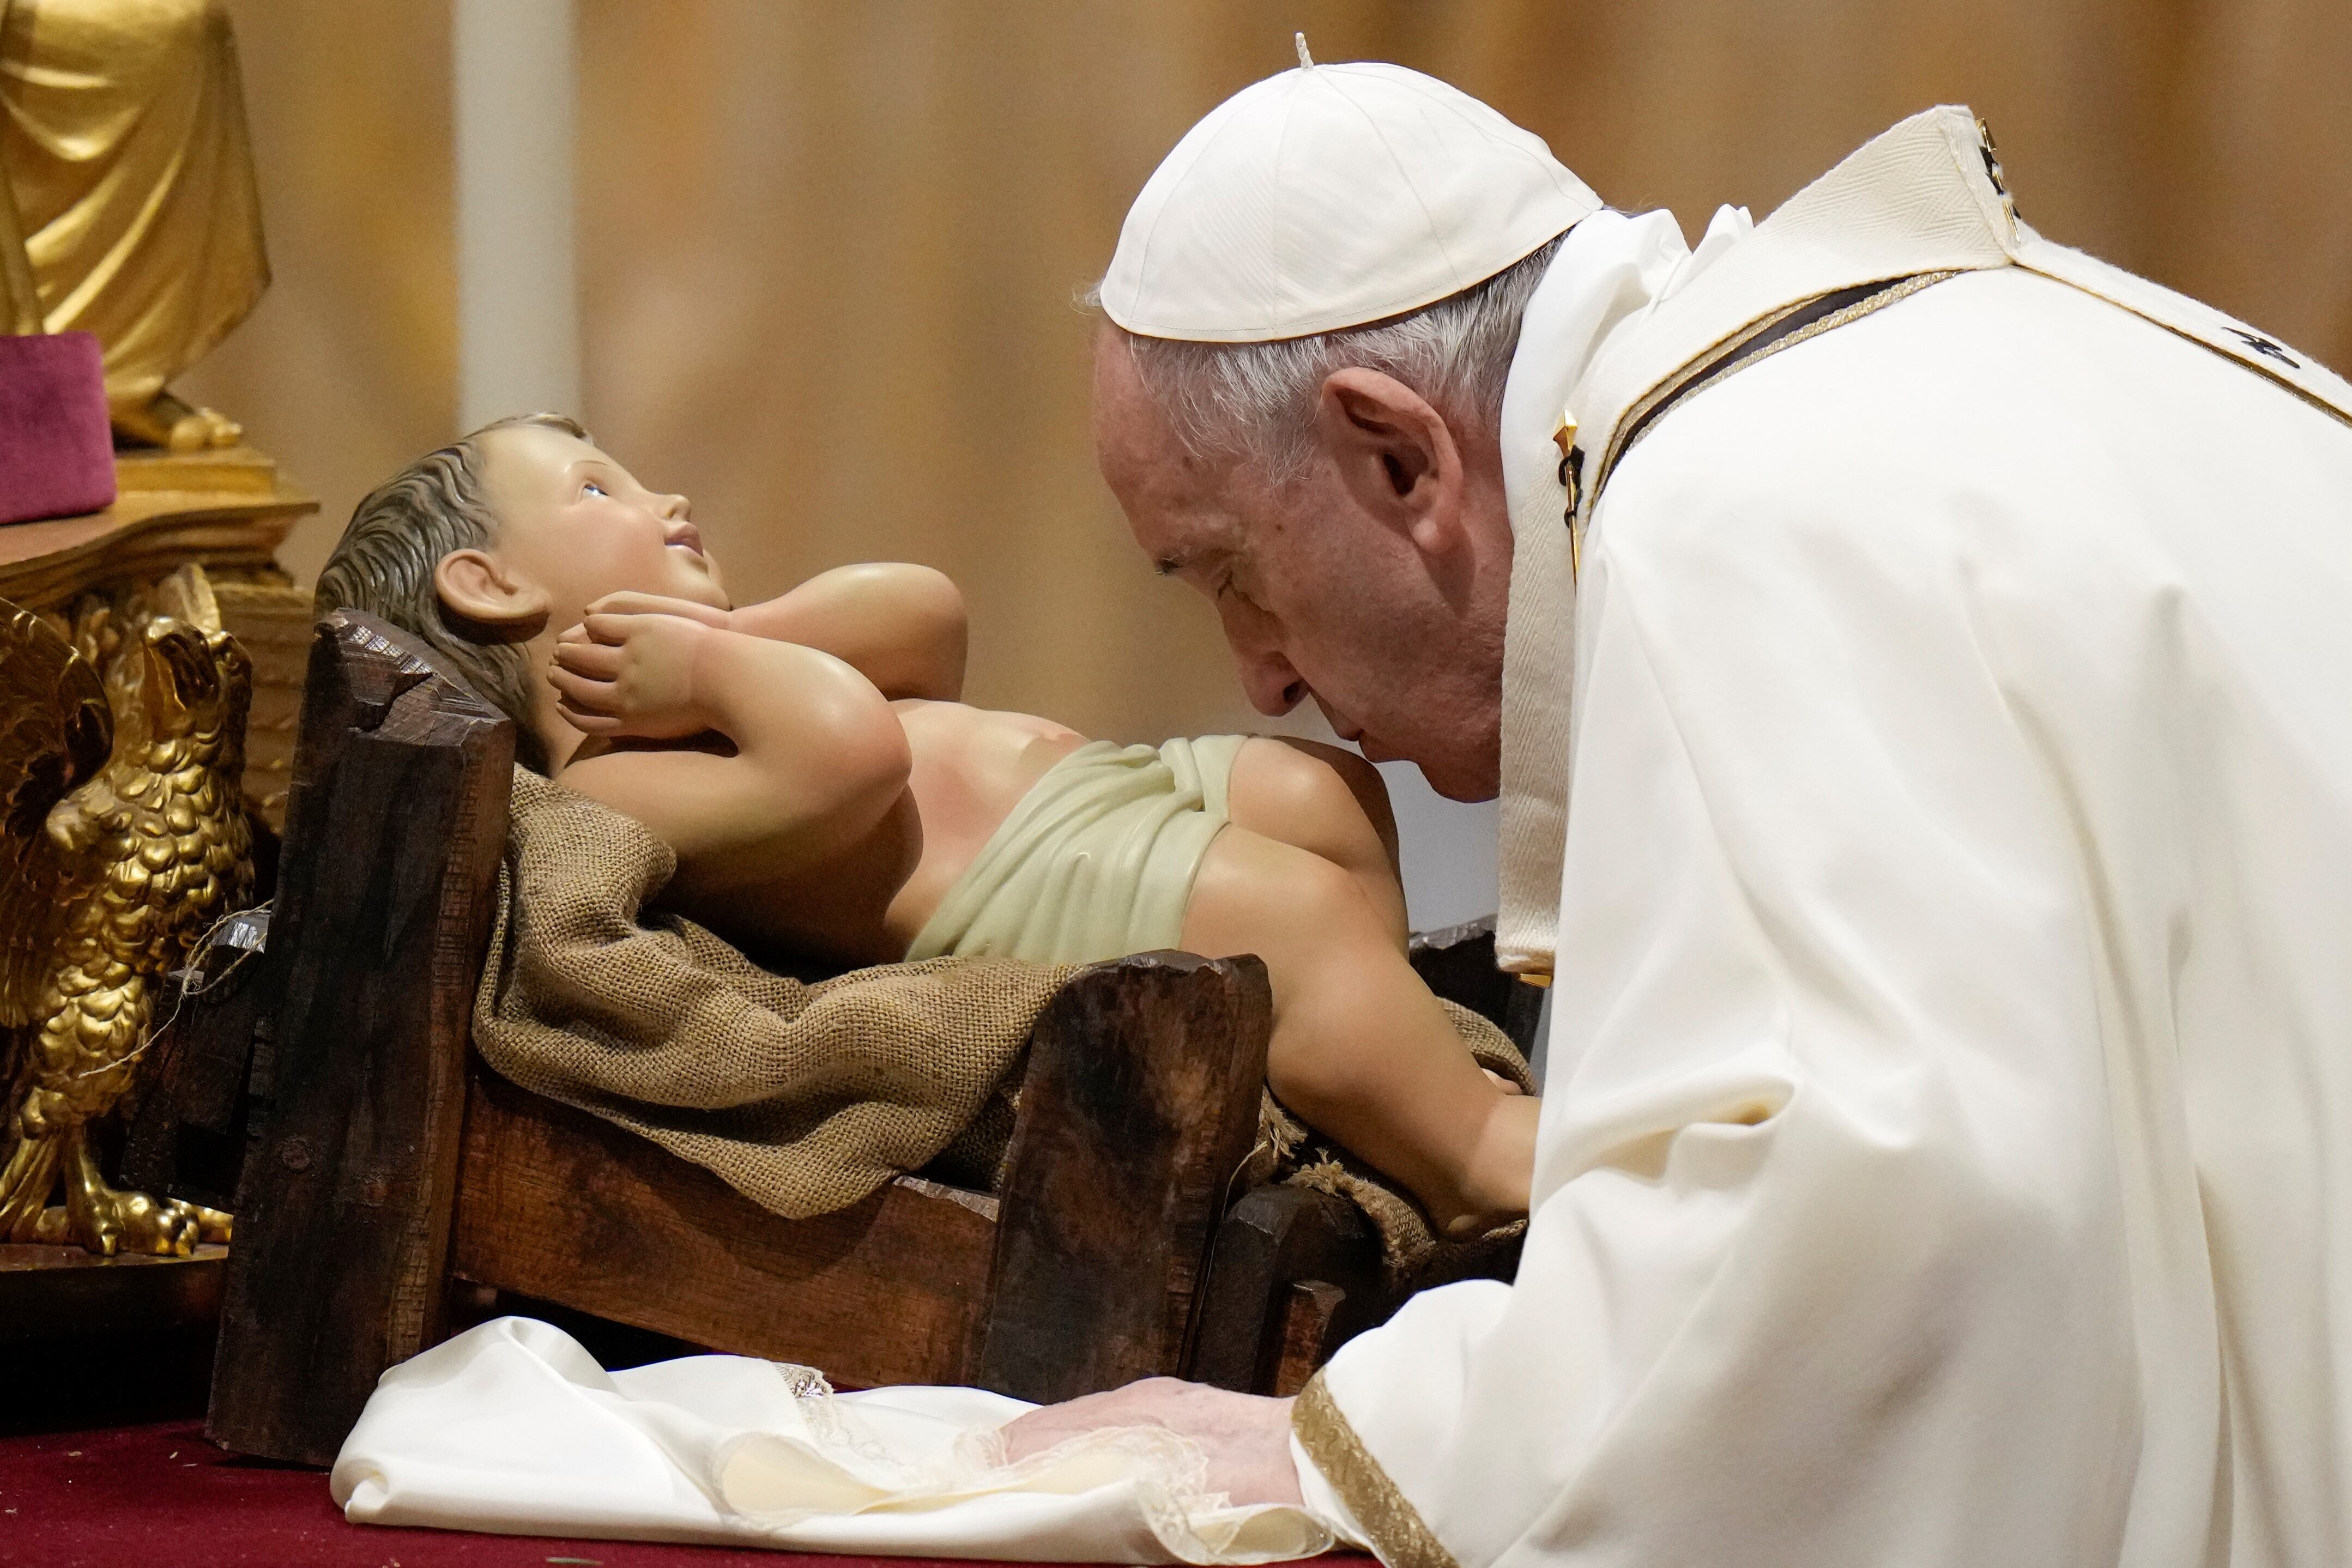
(1571, 479)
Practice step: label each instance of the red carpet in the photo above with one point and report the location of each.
(159, 1496)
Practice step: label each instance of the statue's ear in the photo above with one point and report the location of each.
(475, 585)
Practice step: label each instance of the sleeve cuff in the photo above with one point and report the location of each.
(1345, 1488)
(1328, 1508)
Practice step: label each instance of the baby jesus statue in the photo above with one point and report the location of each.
(827, 794)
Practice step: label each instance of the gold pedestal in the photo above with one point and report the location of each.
(228, 511)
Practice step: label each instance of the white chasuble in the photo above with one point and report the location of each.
(1947, 1150)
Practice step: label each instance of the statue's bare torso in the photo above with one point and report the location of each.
(969, 767)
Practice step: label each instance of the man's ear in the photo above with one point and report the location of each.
(476, 586)
(1395, 456)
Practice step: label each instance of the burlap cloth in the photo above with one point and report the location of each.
(804, 1096)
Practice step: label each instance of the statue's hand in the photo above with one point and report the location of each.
(660, 604)
(632, 674)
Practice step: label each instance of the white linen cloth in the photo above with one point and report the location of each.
(512, 1427)
(1943, 1156)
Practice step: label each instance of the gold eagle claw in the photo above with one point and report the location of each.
(108, 1220)
(123, 838)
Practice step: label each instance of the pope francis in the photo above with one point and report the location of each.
(1915, 660)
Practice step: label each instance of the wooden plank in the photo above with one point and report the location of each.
(186, 1137)
(1140, 1105)
(1303, 1339)
(396, 822)
(49, 1293)
(1275, 1237)
(564, 1206)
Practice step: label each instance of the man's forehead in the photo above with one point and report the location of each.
(1186, 527)
(1184, 507)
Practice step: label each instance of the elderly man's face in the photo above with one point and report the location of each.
(1375, 584)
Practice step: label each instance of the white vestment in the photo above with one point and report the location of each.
(1941, 757)
(512, 1427)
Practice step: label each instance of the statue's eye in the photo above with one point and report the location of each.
(593, 488)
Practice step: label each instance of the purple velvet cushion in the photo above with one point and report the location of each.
(56, 450)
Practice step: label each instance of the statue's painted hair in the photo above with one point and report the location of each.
(396, 538)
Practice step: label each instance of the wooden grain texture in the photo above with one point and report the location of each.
(1140, 1105)
(1303, 1337)
(1458, 962)
(562, 1205)
(186, 1137)
(1275, 1238)
(395, 821)
(49, 1293)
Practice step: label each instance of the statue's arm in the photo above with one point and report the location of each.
(901, 626)
(806, 757)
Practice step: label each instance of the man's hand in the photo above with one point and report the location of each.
(631, 674)
(1248, 1439)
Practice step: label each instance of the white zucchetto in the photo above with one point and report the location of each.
(1332, 196)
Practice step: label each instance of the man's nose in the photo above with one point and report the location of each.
(1274, 687)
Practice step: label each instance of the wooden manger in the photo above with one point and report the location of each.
(376, 1165)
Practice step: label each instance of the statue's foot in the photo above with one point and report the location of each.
(111, 1222)
(107, 1220)
(165, 421)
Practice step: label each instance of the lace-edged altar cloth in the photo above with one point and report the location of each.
(513, 1428)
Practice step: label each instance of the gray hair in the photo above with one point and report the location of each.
(396, 538)
(1258, 401)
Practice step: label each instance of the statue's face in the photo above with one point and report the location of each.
(578, 526)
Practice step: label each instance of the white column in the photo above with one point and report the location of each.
(517, 305)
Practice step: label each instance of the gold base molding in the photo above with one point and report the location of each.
(231, 527)
(230, 471)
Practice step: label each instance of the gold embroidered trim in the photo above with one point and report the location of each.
(1387, 1515)
(1732, 357)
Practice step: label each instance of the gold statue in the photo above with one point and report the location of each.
(128, 206)
(122, 839)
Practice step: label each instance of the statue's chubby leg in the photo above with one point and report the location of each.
(1361, 1049)
(1328, 801)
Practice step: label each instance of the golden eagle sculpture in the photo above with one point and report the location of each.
(123, 838)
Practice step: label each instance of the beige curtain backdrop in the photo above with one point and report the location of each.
(348, 366)
(828, 247)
